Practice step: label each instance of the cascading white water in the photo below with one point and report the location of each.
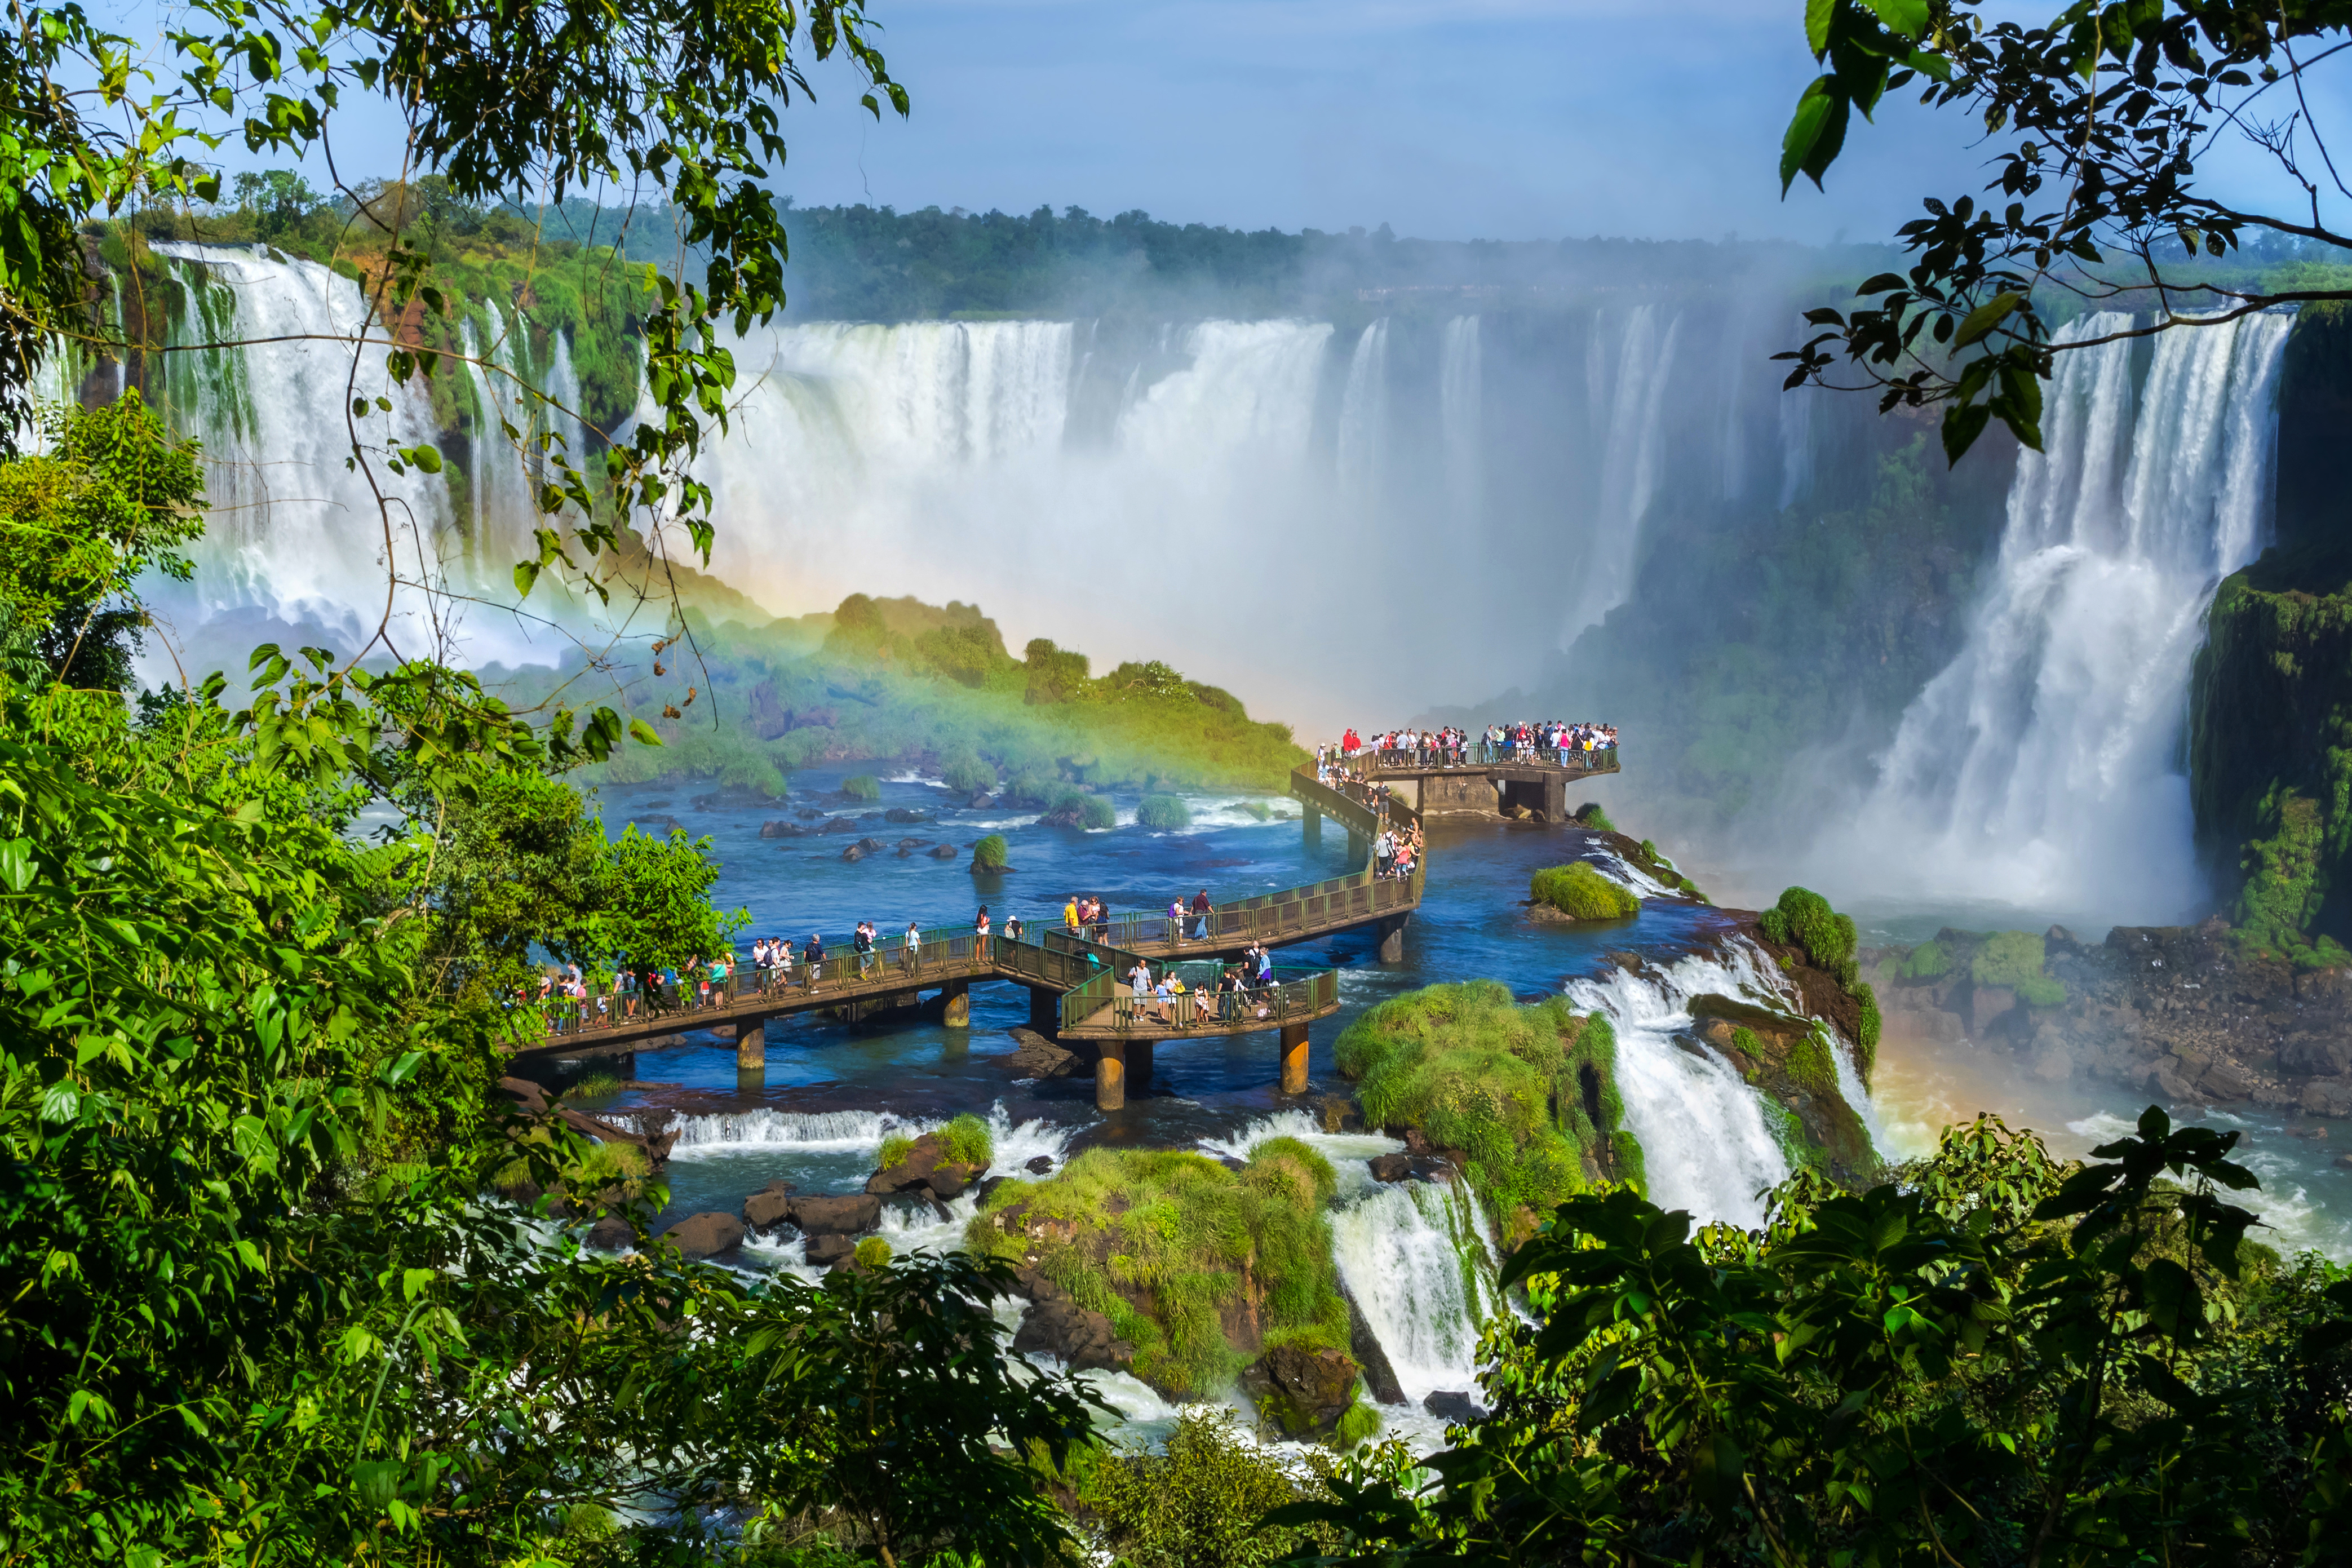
(1420, 1261)
(1628, 364)
(1363, 439)
(1462, 422)
(1705, 1139)
(2040, 768)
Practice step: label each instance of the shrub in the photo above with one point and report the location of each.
(1591, 815)
(1868, 1031)
(965, 1142)
(2042, 991)
(1649, 850)
(1578, 890)
(2009, 958)
(1198, 1504)
(1928, 961)
(988, 855)
(594, 1086)
(1803, 918)
(895, 1150)
(865, 786)
(1097, 813)
(872, 1253)
(964, 771)
(1163, 812)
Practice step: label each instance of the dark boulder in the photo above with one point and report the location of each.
(902, 814)
(780, 828)
(980, 801)
(912, 842)
(808, 814)
(1035, 1056)
(611, 1234)
(1391, 1167)
(923, 1172)
(842, 825)
(1411, 1168)
(1303, 1392)
(948, 1182)
(870, 845)
(943, 852)
(823, 1250)
(707, 1235)
(1057, 1326)
(1455, 1408)
(1039, 1164)
(855, 853)
(1379, 1374)
(837, 1217)
(769, 1207)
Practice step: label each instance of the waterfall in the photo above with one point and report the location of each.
(1364, 424)
(1460, 421)
(1705, 1139)
(2041, 768)
(1420, 1261)
(1627, 365)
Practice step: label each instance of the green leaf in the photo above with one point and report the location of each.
(1908, 17)
(1962, 426)
(426, 456)
(1818, 127)
(1985, 318)
(16, 864)
(643, 733)
(1819, 15)
(526, 572)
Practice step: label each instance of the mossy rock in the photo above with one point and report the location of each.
(1582, 893)
(1164, 813)
(865, 786)
(989, 854)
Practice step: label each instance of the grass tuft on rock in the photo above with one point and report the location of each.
(963, 770)
(1802, 918)
(966, 1141)
(1166, 1242)
(1578, 890)
(1164, 813)
(1591, 815)
(989, 854)
(872, 1253)
(865, 786)
(1528, 1094)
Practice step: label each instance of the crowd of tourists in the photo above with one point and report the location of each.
(1552, 741)
(569, 999)
(1234, 997)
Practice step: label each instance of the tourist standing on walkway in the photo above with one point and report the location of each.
(814, 958)
(1201, 911)
(1140, 979)
(980, 934)
(913, 944)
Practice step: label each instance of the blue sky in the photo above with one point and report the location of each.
(1449, 118)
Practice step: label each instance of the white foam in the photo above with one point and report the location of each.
(1419, 1259)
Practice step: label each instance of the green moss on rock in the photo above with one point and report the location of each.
(1576, 890)
(1164, 813)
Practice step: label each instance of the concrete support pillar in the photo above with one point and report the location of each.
(1110, 1075)
(1045, 1010)
(956, 1013)
(752, 1046)
(1555, 805)
(1392, 939)
(1294, 1058)
(1314, 820)
(1138, 1062)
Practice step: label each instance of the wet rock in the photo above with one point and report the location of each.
(943, 852)
(842, 825)
(1380, 1376)
(1035, 1056)
(904, 814)
(808, 814)
(837, 1217)
(2307, 1131)
(1057, 1326)
(780, 828)
(824, 1250)
(769, 1207)
(611, 1234)
(2326, 1097)
(923, 1172)
(1039, 1164)
(980, 801)
(855, 853)
(912, 842)
(2344, 1162)
(1302, 1392)
(707, 1235)
(1453, 1407)
(1411, 1168)
(870, 845)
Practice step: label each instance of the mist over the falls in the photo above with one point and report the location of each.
(1832, 659)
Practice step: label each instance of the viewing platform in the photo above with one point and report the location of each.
(1487, 781)
(1078, 980)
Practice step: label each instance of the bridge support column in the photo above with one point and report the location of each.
(1294, 1058)
(1313, 821)
(1110, 1075)
(956, 1013)
(1045, 1010)
(1555, 805)
(1391, 931)
(752, 1046)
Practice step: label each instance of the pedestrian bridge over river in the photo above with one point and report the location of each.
(1077, 980)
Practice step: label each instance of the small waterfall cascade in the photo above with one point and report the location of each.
(2041, 768)
(1460, 421)
(1628, 361)
(1363, 435)
(1705, 1137)
(1420, 1260)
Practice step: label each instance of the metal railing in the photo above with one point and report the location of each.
(1109, 1001)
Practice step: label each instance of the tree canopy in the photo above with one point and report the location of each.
(2097, 121)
